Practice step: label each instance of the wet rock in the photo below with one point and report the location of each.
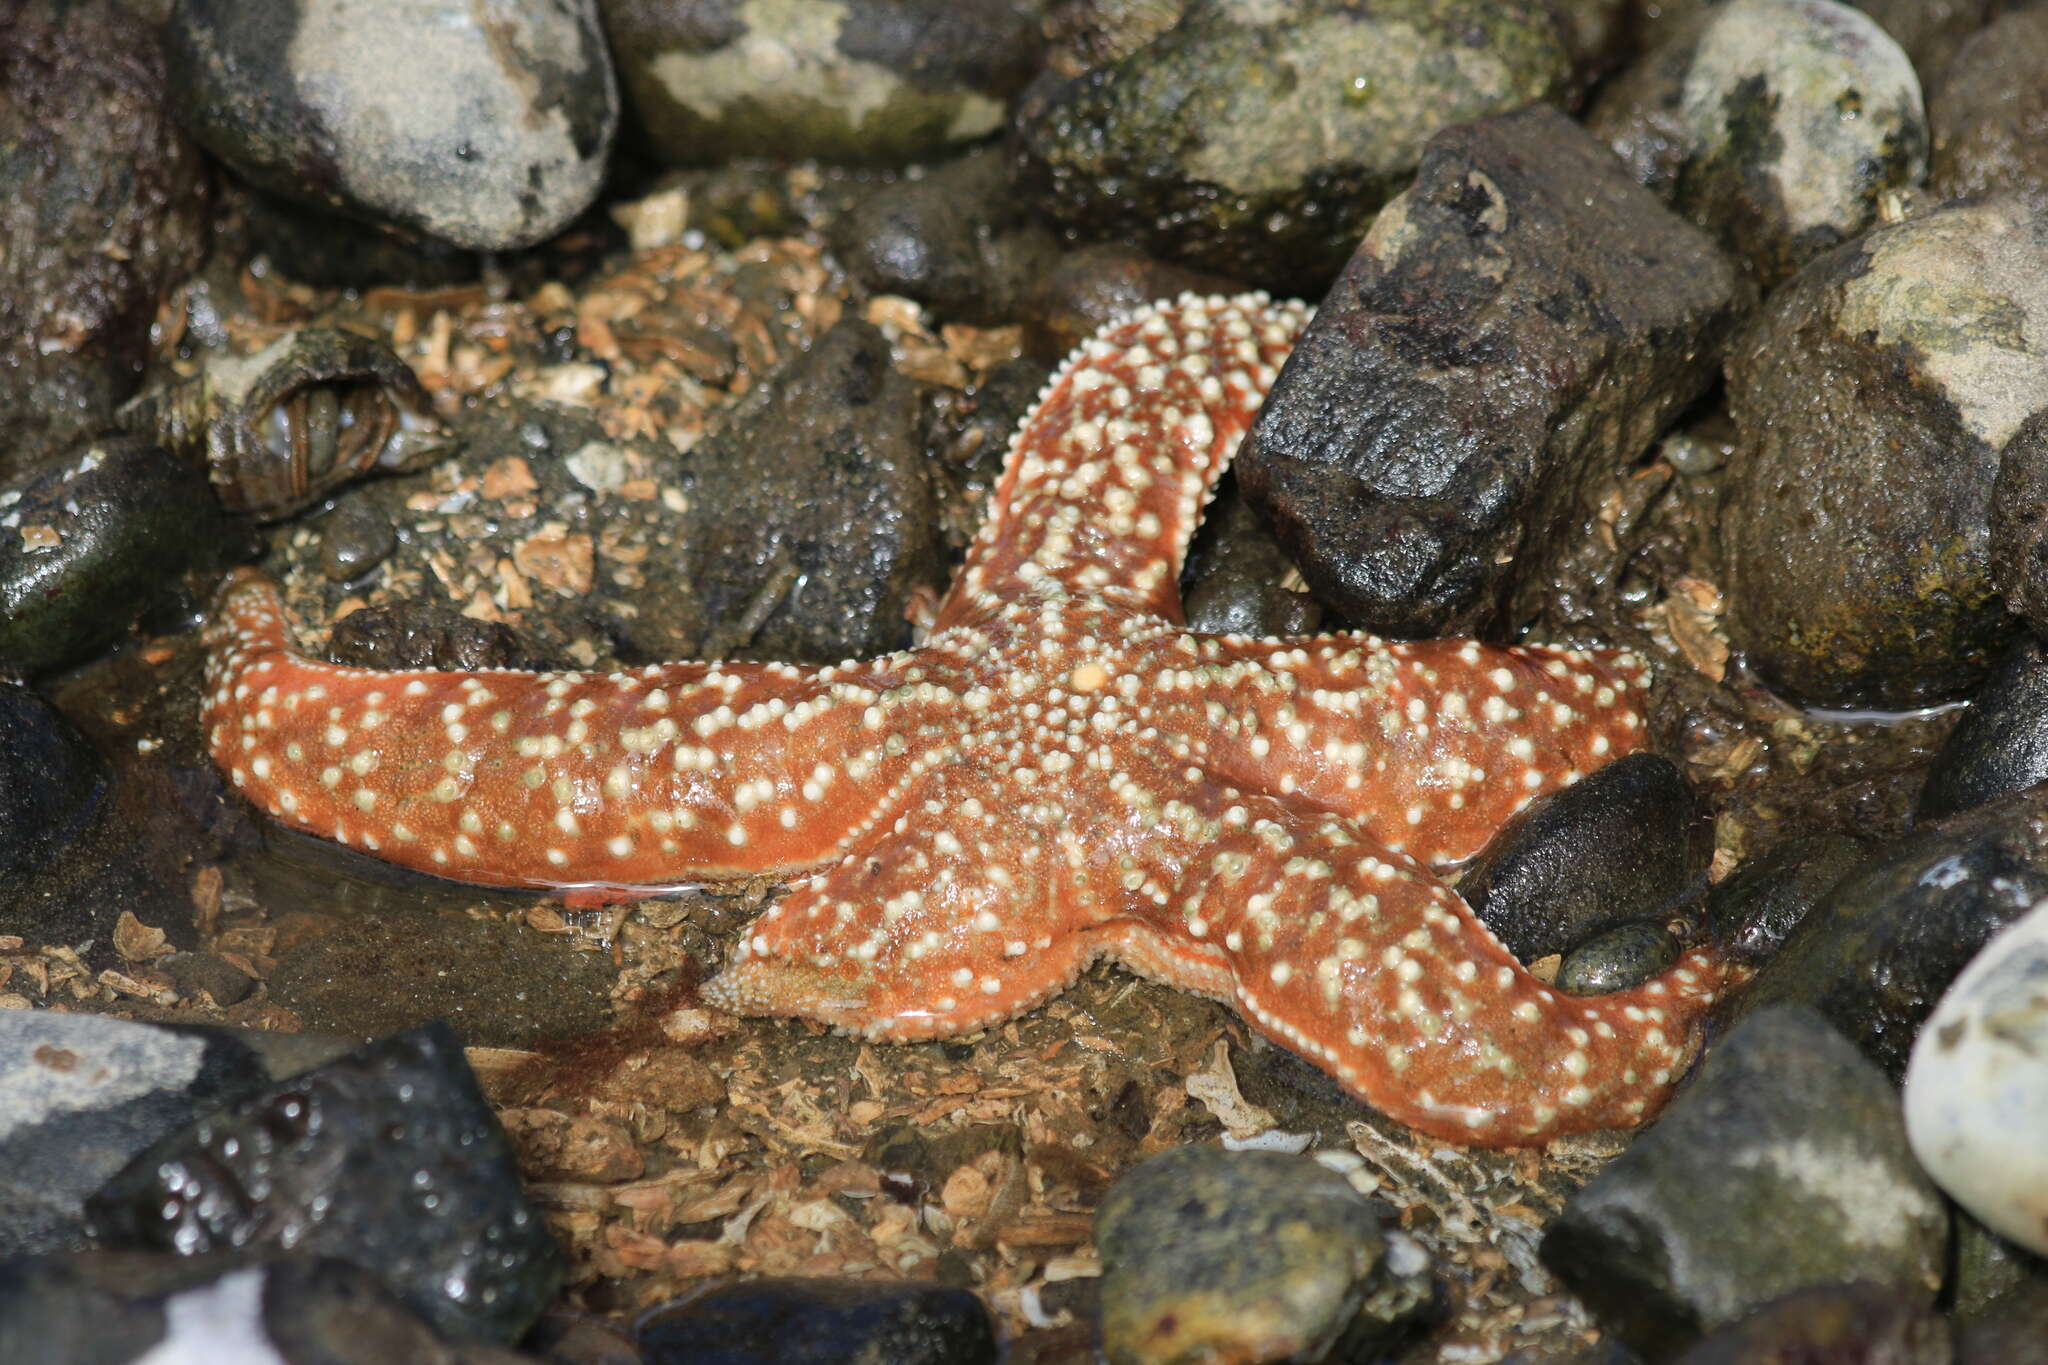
(1872, 399)
(1236, 572)
(1931, 31)
(90, 541)
(1778, 125)
(106, 208)
(955, 240)
(1258, 140)
(1760, 905)
(1623, 843)
(1096, 285)
(1511, 335)
(388, 1159)
(1988, 1268)
(1248, 1256)
(129, 1308)
(2010, 1329)
(208, 973)
(486, 125)
(819, 476)
(2019, 523)
(2000, 746)
(971, 435)
(1977, 1087)
(355, 539)
(80, 1094)
(1850, 1322)
(869, 81)
(417, 633)
(51, 782)
(1618, 958)
(1990, 112)
(1784, 1166)
(1878, 951)
(819, 1322)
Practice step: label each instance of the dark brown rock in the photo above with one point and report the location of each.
(1872, 399)
(105, 209)
(1512, 334)
(1990, 112)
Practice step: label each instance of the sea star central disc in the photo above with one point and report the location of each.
(1060, 772)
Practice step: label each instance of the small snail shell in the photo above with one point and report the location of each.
(278, 430)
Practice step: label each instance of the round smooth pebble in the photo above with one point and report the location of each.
(1977, 1087)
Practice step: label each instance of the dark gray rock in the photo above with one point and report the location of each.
(389, 1159)
(1236, 572)
(218, 978)
(1215, 1255)
(1258, 140)
(1849, 1322)
(51, 782)
(1511, 335)
(1990, 112)
(486, 125)
(80, 1094)
(1778, 125)
(819, 475)
(2000, 746)
(354, 539)
(1872, 399)
(819, 1322)
(106, 208)
(1615, 959)
(2011, 1328)
(1987, 1268)
(956, 239)
(1931, 31)
(2019, 523)
(1760, 905)
(135, 1308)
(90, 541)
(1878, 952)
(1627, 841)
(1784, 1166)
(868, 81)
(1096, 285)
(417, 633)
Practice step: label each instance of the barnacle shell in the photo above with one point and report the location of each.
(278, 430)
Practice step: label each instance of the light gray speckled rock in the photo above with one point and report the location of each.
(484, 123)
(1977, 1088)
(1778, 124)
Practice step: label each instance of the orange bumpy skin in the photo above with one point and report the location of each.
(1059, 773)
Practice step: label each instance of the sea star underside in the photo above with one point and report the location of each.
(1059, 772)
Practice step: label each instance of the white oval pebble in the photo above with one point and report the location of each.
(1977, 1087)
